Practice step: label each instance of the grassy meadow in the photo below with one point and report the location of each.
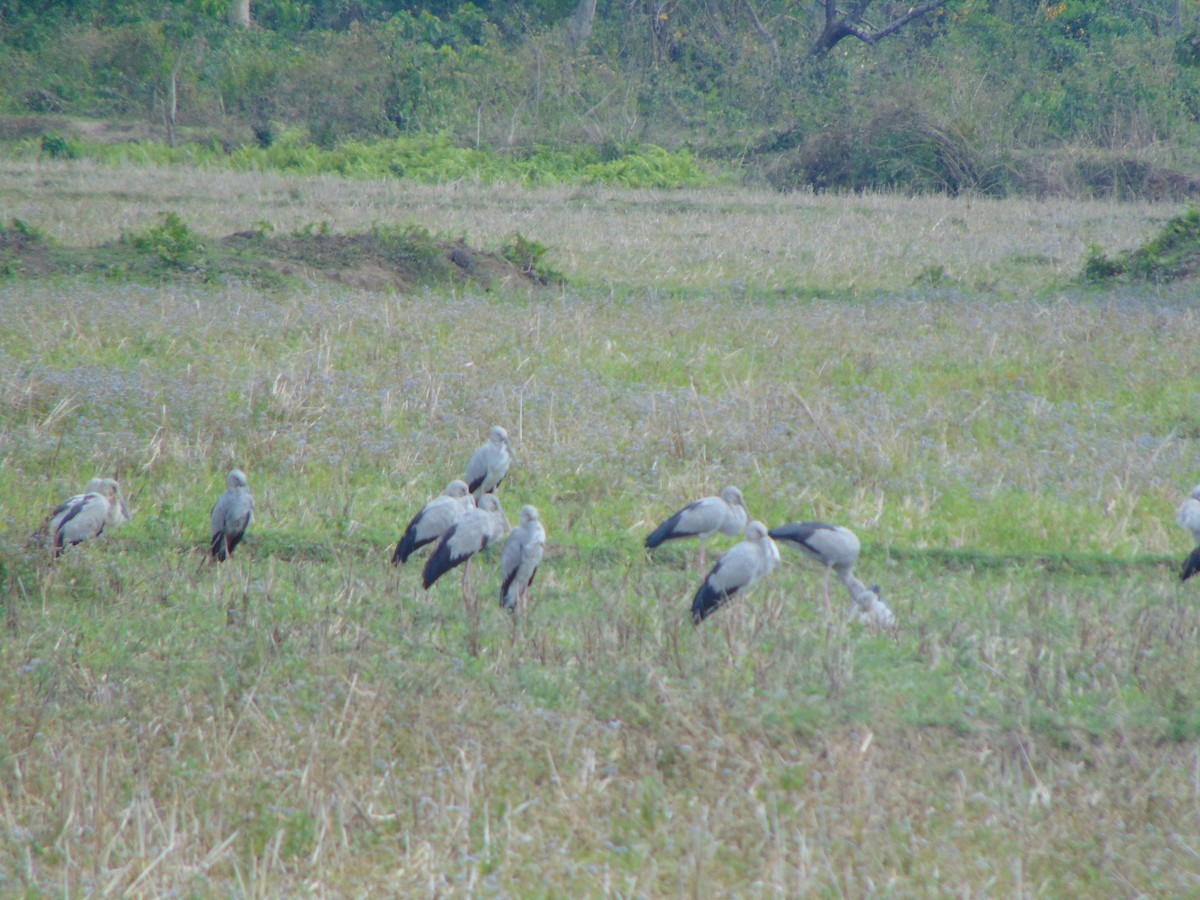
(306, 719)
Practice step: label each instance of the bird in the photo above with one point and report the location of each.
(231, 515)
(462, 540)
(736, 571)
(836, 548)
(490, 463)
(521, 557)
(703, 518)
(434, 518)
(86, 515)
(1188, 516)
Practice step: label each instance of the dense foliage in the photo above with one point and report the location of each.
(1007, 96)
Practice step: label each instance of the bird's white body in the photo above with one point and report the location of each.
(723, 514)
(521, 557)
(736, 572)
(490, 463)
(85, 516)
(1188, 517)
(231, 515)
(435, 519)
(836, 548)
(477, 529)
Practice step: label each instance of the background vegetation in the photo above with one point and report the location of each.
(1082, 97)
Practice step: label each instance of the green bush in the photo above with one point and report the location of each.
(172, 242)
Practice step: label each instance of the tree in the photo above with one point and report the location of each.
(852, 22)
(239, 13)
(580, 27)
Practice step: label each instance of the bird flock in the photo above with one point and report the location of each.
(467, 518)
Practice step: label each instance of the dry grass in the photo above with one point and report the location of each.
(308, 720)
(643, 240)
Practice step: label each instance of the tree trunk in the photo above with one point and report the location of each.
(580, 28)
(239, 13)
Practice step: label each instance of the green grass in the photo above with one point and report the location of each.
(307, 715)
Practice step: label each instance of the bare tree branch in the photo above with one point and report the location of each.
(841, 25)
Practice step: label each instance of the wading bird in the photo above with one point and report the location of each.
(231, 515)
(703, 518)
(466, 537)
(736, 572)
(836, 548)
(434, 519)
(86, 515)
(521, 557)
(1188, 517)
(490, 463)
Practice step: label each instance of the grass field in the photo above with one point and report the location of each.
(305, 719)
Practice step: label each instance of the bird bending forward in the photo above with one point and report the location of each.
(521, 557)
(736, 572)
(836, 548)
(434, 519)
(231, 515)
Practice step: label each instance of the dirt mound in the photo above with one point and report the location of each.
(398, 259)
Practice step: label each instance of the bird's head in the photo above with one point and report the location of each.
(733, 497)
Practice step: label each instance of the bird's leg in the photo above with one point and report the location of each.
(700, 558)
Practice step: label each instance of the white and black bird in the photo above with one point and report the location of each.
(85, 516)
(836, 548)
(231, 515)
(1188, 516)
(434, 519)
(490, 463)
(476, 530)
(521, 557)
(736, 571)
(703, 518)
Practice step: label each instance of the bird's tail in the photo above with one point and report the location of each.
(706, 602)
(404, 548)
(660, 534)
(1191, 565)
(218, 547)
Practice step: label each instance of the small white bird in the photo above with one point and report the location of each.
(466, 537)
(434, 519)
(703, 518)
(1188, 516)
(522, 555)
(86, 515)
(837, 548)
(736, 571)
(490, 463)
(231, 515)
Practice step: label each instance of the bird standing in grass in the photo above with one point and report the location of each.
(85, 516)
(490, 463)
(837, 548)
(462, 540)
(1188, 516)
(231, 515)
(736, 572)
(521, 557)
(703, 518)
(434, 519)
